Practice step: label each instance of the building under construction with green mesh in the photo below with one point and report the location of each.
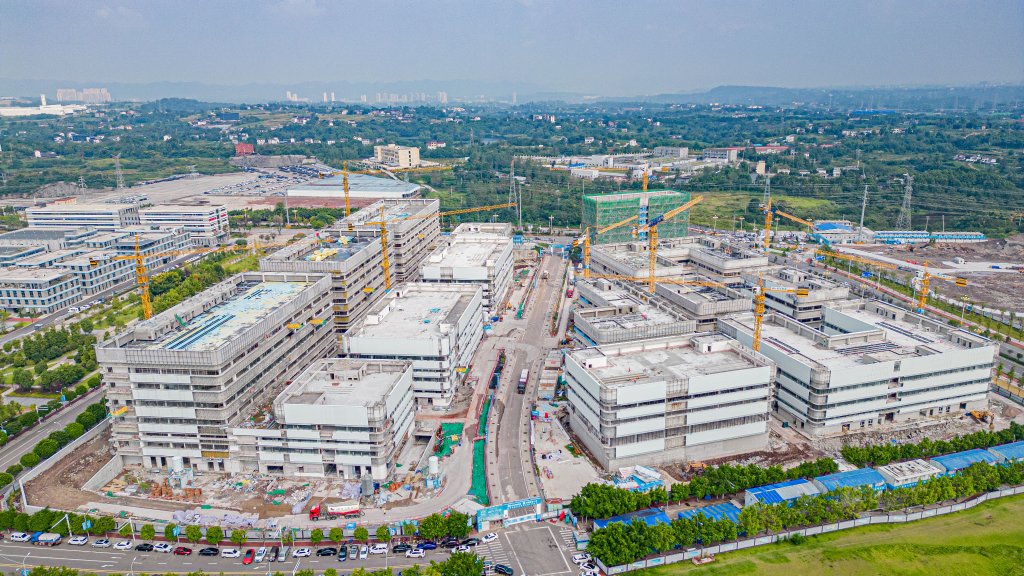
(603, 209)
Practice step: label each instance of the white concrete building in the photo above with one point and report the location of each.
(409, 239)
(339, 418)
(395, 156)
(98, 216)
(709, 256)
(674, 152)
(869, 364)
(665, 400)
(47, 238)
(98, 270)
(35, 290)
(207, 225)
(821, 293)
(179, 381)
(610, 312)
(436, 326)
(473, 258)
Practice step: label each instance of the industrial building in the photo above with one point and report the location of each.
(97, 271)
(37, 290)
(354, 265)
(951, 464)
(413, 229)
(394, 156)
(603, 209)
(360, 187)
(206, 224)
(46, 238)
(869, 364)
(611, 312)
(473, 258)
(680, 398)
(709, 256)
(177, 382)
(909, 473)
(74, 215)
(496, 228)
(704, 304)
(339, 418)
(436, 326)
(859, 478)
(783, 492)
(821, 293)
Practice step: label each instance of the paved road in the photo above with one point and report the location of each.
(536, 549)
(24, 442)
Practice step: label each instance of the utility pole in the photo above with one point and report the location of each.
(118, 174)
(905, 220)
(863, 209)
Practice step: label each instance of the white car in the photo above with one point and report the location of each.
(489, 538)
(101, 543)
(462, 548)
(362, 552)
(79, 541)
(261, 553)
(123, 545)
(378, 549)
(580, 558)
(162, 547)
(415, 553)
(20, 537)
(589, 573)
(230, 553)
(301, 553)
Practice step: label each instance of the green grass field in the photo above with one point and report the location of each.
(726, 204)
(987, 540)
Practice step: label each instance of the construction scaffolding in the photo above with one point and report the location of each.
(604, 209)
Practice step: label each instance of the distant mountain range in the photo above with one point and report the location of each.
(976, 97)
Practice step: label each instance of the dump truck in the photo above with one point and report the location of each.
(324, 511)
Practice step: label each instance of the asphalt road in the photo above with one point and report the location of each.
(24, 442)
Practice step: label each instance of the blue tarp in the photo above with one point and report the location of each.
(1010, 452)
(715, 512)
(651, 516)
(781, 492)
(852, 479)
(832, 226)
(961, 460)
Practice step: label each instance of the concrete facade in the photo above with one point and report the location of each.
(666, 400)
(97, 270)
(177, 382)
(409, 239)
(436, 326)
(37, 290)
(709, 256)
(473, 258)
(206, 224)
(822, 293)
(395, 156)
(610, 312)
(868, 364)
(339, 418)
(98, 216)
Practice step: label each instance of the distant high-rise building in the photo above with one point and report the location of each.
(325, 96)
(87, 95)
(442, 97)
(514, 98)
(332, 96)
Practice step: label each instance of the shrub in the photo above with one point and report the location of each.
(169, 531)
(86, 419)
(46, 448)
(14, 469)
(5, 479)
(361, 534)
(74, 430)
(81, 389)
(60, 437)
(13, 427)
(28, 418)
(29, 460)
(147, 532)
(94, 381)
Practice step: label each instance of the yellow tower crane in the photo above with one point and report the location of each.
(924, 282)
(770, 212)
(592, 233)
(142, 272)
(759, 297)
(652, 237)
(383, 223)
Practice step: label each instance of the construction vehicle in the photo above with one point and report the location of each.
(759, 297)
(347, 509)
(924, 281)
(383, 223)
(651, 230)
(770, 212)
(984, 416)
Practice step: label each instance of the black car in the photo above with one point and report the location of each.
(209, 552)
(449, 543)
(470, 542)
(144, 547)
(427, 545)
(327, 552)
(342, 554)
(504, 570)
(401, 548)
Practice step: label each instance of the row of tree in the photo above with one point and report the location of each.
(619, 543)
(14, 420)
(603, 501)
(57, 439)
(882, 454)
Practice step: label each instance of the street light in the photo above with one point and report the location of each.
(963, 309)
(131, 567)
(714, 223)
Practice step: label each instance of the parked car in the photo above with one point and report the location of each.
(588, 567)
(449, 542)
(363, 551)
(123, 545)
(401, 548)
(101, 543)
(301, 553)
(378, 549)
(470, 542)
(589, 573)
(427, 545)
(353, 551)
(182, 551)
(78, 541)
(261, 553)
(342, 554)
(327, 552)
(20, 537)
(461, 548)
(504, 570)
(489, 538)
(580, 558)
(209, 552)
(488, 566)
(230, 553)
(144, 547)
(250, 555)
(282, 554)
(415, 553)
(162, 547)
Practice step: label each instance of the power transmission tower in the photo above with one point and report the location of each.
(767, 190)
(81, 182)
(192, 174)
(515, 194)
(118, 173)
(863, 208)
(904, 220)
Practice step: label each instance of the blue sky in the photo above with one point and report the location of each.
(599, 47)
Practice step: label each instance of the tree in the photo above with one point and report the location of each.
(460, 564)
(29, 459)
(238, 537)
(147, 532)
(74, 430)
(169, 532)
(5, 479)
(22, 379)
(336, 535)
(126, 530)
(316, 536)
(457, 524)
(45, 449)
(361, 534)
(214, 535)
(103, 525)
(432, 527)
(384, 534)
(193, 533)
(86, 419)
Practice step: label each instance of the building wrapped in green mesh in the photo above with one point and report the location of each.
(604, 209)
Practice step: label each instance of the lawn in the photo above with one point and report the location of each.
(988, 539)
(727, 204)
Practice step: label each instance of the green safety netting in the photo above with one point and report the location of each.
(483, 416)
(478, 490)
(451, 433)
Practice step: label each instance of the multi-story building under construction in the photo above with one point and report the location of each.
(603, 209)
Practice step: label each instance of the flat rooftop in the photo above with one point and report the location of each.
(43, 234)
(393, 210)
(82, 207)
(416, 311)
(357, 184)
(673, 358)
(602, 198)
(26, 274)
(251, 302)
(619, 296)
(344, 382)
(468, 250)
(337, 250)
(48, 257)
(83, 258)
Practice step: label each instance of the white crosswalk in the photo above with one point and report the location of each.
(494, 551)
(565, 535)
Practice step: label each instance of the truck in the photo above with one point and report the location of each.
(544, 275)
(521, 387)
(568, 293)
(45, 539)
(332, 511)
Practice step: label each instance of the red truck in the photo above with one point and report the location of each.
(332, 511)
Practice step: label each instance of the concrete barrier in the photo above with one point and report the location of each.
(64, 452)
